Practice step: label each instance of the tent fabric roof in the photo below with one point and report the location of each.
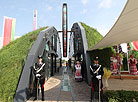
(125, 29)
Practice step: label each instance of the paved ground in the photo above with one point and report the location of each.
(80, 90)
(125, 84)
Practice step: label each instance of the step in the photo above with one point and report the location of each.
(124, 76)
(126, 72)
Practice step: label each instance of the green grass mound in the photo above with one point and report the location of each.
(12, 59)
(93, 36)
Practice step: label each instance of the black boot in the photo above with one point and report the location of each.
(43, 99)
(42, 94)
(35, 98)
(35, 95)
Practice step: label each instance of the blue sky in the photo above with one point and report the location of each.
(99, 14)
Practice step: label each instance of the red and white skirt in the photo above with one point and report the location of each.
(133, 69)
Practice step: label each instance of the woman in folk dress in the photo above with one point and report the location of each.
(119, 62)
(78, 75)
(132, 65)
(113, 64)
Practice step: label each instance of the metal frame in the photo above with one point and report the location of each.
(23, 92)
(80, 31)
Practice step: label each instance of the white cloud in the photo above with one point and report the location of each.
(103, 31)
(84, 11)
(84, 2)
(105, 4)
(46, 8)
(49, 8)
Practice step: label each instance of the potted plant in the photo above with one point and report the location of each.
(106, 76)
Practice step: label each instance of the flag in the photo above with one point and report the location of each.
(35, 20)
(8, 30)
(13, 29)
(134, 45)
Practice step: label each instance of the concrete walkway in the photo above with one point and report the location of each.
(125, 84)
(80, 90)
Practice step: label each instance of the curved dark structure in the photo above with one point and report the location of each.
(45, 45)
(78, 49)
(48, 45)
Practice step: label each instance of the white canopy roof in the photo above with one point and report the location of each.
(125, 29)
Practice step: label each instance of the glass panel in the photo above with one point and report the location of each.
(47, 47)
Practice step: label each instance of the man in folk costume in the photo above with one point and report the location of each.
(113, 64)
(132, 65)
(39, 72)
(119, 62)
(96, 71)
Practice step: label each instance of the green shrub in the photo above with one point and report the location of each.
(135, 54)
(12, 59)
(121, 96)
(113, 100)
(104, 56)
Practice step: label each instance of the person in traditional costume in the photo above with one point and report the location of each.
(113, 64)
(119, 62)
(132, 65)
(78, 75)
(96, 71)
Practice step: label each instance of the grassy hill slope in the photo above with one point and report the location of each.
(12, 59)
(93, 36)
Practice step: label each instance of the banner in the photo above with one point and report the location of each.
(35, 20)
(13, 29)
(8, 30)
(134, 45)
